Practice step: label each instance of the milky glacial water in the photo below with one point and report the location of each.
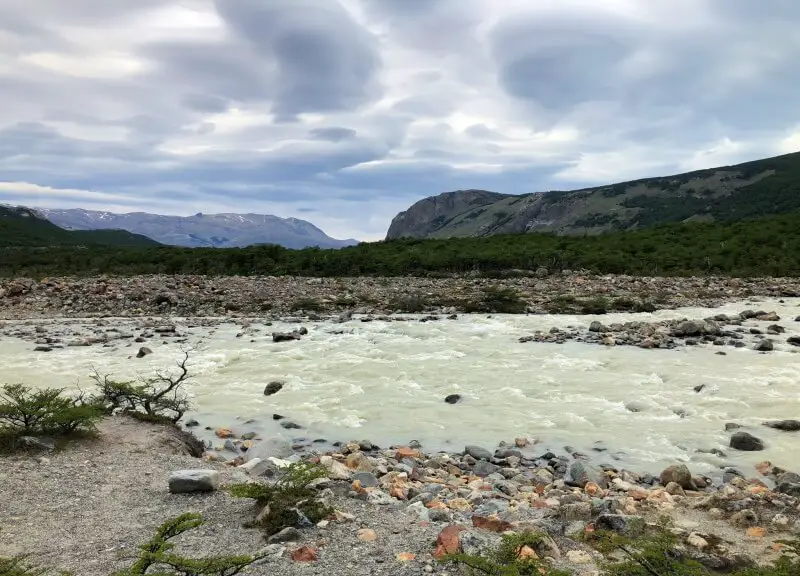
(386, 381)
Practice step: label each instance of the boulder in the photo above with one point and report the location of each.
(273, 388)
(793, 340)
(143, 351)
(764, 345)
(185, 481)
(785, 425)
(679, 474)
(478, 453)
(580, 473)
(746, 442)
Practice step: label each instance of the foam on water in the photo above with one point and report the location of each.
(386, 381)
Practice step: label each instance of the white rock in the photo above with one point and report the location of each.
(184, 481)
(697, 541)
(579, 557)
(250, 464)
(780, 521)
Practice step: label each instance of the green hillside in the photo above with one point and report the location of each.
(725, 194)
(23, 227)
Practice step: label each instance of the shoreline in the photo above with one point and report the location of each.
(391, 505)
(238, 296)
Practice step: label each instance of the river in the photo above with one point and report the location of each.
(386, 382)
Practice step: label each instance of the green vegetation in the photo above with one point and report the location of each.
(159, 398)
(26, 413)
(22, 227)
(656, 552)
(155, 557)
(765, 247)
(516, 556)
(499, 300)
(288, 502)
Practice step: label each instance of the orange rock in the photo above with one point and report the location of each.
(406, 452)
(526, 552)
(436, 505)
(304, 554)
(367, 535)
(223, 432)
(764, 468)
(490, 523)
(756, 532)
(757, 490)
(405, 556)
(399, 491)
(639, 495)
(448, 541)
(592, 489)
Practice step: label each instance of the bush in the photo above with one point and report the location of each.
(512, 558)
(160, 397)
(289, 501)
(597, 305)
(410, 303)
(48, 412)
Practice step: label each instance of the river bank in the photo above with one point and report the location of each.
(397, 510)
(275, 296)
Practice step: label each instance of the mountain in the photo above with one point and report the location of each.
(729, 193)
(202, 230)
(23, 227)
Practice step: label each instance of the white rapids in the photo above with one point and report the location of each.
(386, 382)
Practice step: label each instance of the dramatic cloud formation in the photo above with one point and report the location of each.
(344, 112)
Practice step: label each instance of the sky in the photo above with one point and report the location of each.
(345, 112)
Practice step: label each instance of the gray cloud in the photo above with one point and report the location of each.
(349, 110)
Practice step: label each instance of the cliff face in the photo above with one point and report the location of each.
(729, 193)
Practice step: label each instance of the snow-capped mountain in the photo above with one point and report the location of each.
(201, 230)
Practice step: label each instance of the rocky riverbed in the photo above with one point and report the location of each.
(397, 510)
(213, 296)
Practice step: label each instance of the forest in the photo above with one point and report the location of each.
(767, 246)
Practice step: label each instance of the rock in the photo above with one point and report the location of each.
(483, 469)
(143, 351)
(491, 523)
(768, 317)
(43, 349)
(579, 557)
(366, 479)
(746, 442)
(274, 447)
(448, 541)
(764, 345)
(580, 473)
(678, 474)
(304, 554)
(789, 488)
(696, 540)
(744, 518)
(285, 336)
(793, 340)
(785, 425)
(576, 511)
(453, 398)
(273, 388)
(622, 524)
(478, 453)
(289, 534)
(597, 326)
(289, 425)
(185, 481)
(366, 535)
(191, 423)
(675, 489)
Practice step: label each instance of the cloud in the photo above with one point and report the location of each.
(347, 111)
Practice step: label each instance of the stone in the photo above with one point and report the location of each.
(453, 398)
(675, 489)
(756, 532)
(448, 541)
(744, 518)
(273, 447)
(285, 336)
(185, 481)
(304, 554)
(223, 433)
(628, 525)
(366, 535)
(478, 453)
(597, 326)
(678, 474)
(746, 442)
(491, 523)
(289, 534)
(580, 473)
(780, 521)
(785, 425)
(576, 511)
(482, 469)
(697, 541)
(579, 557)
(143, 351)
(366, 479)
(764, 345)
(273, 388)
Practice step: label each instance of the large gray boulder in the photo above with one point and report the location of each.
(185, 481)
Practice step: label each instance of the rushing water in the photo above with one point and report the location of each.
(386, 381)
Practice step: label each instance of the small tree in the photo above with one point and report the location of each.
(160, 396)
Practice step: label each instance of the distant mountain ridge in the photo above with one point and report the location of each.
(730, 193)
(226, 230)
(25, 227)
